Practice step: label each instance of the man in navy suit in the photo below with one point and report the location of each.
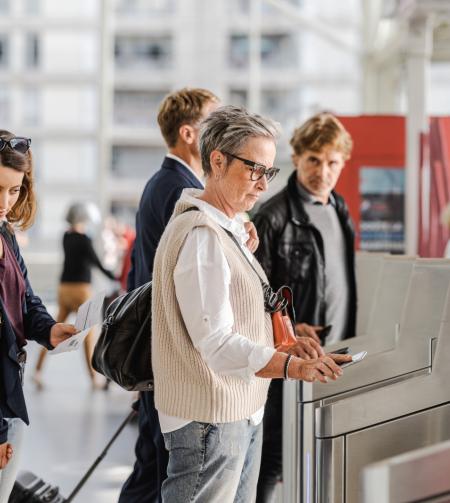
(179, 118)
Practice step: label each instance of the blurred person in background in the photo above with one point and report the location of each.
(307, 242)
(75, 284)
(179, 118)
(22, 315)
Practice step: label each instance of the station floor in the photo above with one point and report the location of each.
(70, 425)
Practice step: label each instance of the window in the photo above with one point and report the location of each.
(282, 105)
(143, 52)
(144, 7)
(4, 7)
(31, 106)
(32, 50)
(239, 57)
(4, 105)
(4, 51)
(277, 51)
(243, 6)
(238, 97)
(32, 7)
(136, 161)
(137, 108)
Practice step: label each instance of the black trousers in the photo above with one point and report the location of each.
(150, 469)
(271, 470)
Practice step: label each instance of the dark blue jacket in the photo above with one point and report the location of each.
(37, 325)
(155, 209)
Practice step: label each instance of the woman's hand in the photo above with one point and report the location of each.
(320, 369)
(60, 332)
(306, 348)
(6, 452)
(305, 330)
(253, 240)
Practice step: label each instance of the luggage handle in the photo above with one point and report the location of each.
(101, 456)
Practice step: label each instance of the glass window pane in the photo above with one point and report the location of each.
(31, 106)
(4, 7)
(137, 161)
(239, 57)
(243, 6)
(277, 51)
(144, 7)
(32, 50)
(32, 7)
(137, 108)
(70, 162)
(147, 53)
(238, 97)
(4, 105)
(4, 51)
(69, 106)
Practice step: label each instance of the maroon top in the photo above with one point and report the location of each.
(12, 292)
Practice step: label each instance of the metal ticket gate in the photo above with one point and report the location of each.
(305, 446)
(417, 476)
(368, 268)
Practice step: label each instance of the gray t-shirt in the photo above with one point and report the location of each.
(337, 291)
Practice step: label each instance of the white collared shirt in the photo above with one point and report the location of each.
(202, 281)
(186, 165)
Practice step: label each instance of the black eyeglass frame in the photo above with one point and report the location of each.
(12, 146)
(269, 173)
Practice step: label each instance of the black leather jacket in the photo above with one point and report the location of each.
(291, 253)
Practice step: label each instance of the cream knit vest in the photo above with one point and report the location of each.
(185, 386)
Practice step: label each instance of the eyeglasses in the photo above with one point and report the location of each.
(257, 170)
(17, 143)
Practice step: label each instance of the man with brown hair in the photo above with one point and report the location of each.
(179, 119)
(307, 242)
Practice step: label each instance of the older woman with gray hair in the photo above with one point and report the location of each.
(212, 350)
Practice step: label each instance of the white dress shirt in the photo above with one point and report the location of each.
(186, 165)
(202, 281)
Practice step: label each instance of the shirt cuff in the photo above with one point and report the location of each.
(259, 357)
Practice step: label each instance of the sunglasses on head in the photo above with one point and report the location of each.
(17, 143)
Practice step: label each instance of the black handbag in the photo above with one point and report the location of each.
(123, 350)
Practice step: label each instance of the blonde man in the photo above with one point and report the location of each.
(307, 242)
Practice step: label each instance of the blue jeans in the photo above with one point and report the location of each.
(16, 429)
(213, 463)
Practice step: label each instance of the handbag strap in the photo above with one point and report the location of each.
(273, 302)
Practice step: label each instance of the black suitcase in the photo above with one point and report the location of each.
(29, 488)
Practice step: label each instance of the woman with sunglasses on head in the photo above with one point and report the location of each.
(22, 314)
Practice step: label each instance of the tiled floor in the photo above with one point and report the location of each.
(70, 425)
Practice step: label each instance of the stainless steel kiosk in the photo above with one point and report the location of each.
(417, 476)
(318, 463)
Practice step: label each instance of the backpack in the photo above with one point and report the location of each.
(123, 350)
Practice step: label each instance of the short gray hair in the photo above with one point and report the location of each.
(228, 128)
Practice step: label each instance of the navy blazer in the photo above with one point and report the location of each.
(37, 325)
(156, 206)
